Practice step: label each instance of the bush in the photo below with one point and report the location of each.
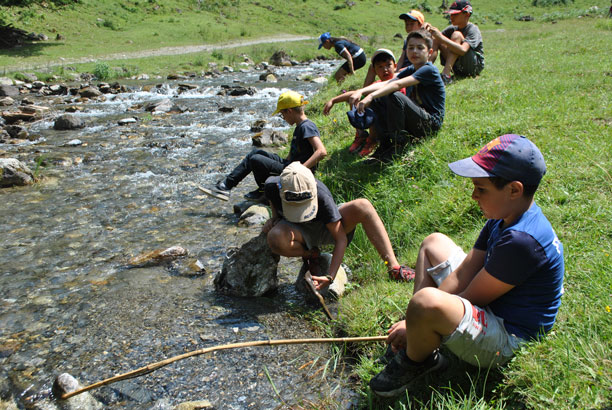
(102, 71)
(547, 3)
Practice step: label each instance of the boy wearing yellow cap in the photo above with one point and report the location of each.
(306, 147)
(413, 21)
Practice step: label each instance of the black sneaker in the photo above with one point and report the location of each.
(387, 357)
(401, 371)
(222, 188)
(255, 196)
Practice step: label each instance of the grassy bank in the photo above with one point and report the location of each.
(549, 79)
(552, 83)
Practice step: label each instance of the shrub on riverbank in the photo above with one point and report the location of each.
(552, 87)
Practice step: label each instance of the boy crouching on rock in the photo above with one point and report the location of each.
(305, 216)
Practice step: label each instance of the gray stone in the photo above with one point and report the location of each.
(319, 80)
(126, 121)
(194, 405)
(29, 77)
(16, 131)
(90, 92)
(8, 91)
(68, 122)
(258, 125)
(37, 85)
(74, 143)
(14, 172)
(65, 383)
(158, 256)
(162, 106)
(269, 138)
(4, 136)
(280, 58)
(6, 102)
(6, 81)
(249, 271)
(254, 215)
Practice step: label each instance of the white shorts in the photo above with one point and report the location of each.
(481, 338)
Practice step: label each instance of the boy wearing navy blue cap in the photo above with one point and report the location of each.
(353, 54)
(507, 290)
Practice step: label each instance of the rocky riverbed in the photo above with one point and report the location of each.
(115, 170)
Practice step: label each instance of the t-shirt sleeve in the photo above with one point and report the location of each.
(339, 47)
(328, 210)
(426, 74)
(406, 72)
(515, 257)
(472, 36)
(483, 237)
(309, 129)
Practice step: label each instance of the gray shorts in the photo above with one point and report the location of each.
(468, 65)
(481, 338)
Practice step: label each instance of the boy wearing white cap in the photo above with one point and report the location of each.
(305, 216)
(306, 147)
(507, 290)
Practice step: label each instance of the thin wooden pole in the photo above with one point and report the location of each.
(154, 366)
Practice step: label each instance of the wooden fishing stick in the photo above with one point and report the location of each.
(154, 366)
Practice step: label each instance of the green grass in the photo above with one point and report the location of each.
(552, 83)
(549, 79)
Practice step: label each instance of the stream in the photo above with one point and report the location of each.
(70, 303)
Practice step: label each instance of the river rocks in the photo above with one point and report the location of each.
(269, 138)
(127, 121)
(236, 90)
(194, 405)
(4, 136)
(6, 81)
(250, 270)
(8, 91)
(226, 109)
(258, 125)
(158, 256)
(68, 122)
(268, 78)
(65, 383)
(13, 117)
(280, 58)
(16, 131)
(163, 106)
(14, 172)
(90, 92)
(254, 215)
(6, 102)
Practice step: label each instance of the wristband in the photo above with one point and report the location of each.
(331, 280)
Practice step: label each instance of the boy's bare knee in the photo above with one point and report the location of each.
(275, 238)
(457, 37)
(433, 240)
(425, 304)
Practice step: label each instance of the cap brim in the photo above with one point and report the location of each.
(453, 11)
(302, 212)
(405, 16)
(469, 169)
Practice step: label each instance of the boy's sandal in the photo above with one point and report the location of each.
(402, 273)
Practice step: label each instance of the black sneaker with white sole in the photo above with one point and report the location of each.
(256, 195)
(222, 188)
(401, 371)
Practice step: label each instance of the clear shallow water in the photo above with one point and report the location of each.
(68, 302)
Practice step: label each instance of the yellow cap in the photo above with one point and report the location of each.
(289, 99)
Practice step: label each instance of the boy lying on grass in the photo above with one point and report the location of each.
(507, 290)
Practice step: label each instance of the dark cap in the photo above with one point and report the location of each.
(361, 121)
(512, 157)
(460, 6)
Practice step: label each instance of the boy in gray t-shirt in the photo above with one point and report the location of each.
(460, 44)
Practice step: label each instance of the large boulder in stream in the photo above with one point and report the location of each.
(14, 172)
(68, 122)
(249, 271)
(8, 91)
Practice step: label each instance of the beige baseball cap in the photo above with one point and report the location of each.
(298, 192)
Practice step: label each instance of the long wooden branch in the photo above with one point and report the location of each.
(154, 366)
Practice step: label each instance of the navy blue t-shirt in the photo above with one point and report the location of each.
(301, 149)
(528, 255)
(429, 93)
(341, 45)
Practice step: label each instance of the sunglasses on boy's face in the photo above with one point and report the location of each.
(297, 196)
